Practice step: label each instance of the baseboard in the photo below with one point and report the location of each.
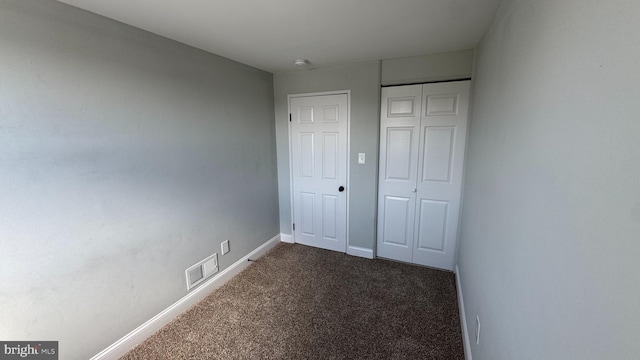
(145, 330)
(351, 250)
(286, 238)
(360, 252)
(463, 318)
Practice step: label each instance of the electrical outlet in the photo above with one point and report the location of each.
(477, 330)
(225, 247)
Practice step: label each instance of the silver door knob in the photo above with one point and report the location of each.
(414, 190)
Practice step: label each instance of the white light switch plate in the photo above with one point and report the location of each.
(360, 158)
(225, 247)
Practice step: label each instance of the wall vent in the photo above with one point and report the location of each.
(195, 275)
(201, 271)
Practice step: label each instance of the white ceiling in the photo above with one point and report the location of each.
(270, 34)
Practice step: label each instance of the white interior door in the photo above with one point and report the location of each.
(399, 137)
(319, 170)
(431, 189)
(443, 131)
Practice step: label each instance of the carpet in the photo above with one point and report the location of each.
(299, 302)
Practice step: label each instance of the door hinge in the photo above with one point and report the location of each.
(294, 227)
(289, 117)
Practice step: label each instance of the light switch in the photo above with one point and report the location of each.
(360, 158)
(225, 247)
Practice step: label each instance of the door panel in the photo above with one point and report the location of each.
(441, 104)
(397, 222)
(438, 151)
(307, 157)
(330, 114)
(305, 115)
(402, 106)
(307, 208)
(399, 130)
(432, 229)
(398, 155)
(319, 167)
(329, 212)
(422, 140)
(443, 129)
(329, 155)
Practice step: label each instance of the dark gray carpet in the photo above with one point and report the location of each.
(298, 302)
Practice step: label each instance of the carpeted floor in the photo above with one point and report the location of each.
(299, 302)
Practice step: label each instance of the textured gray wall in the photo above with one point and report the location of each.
(427, 68)
(550, 249)
(363, 79)
(124, 159)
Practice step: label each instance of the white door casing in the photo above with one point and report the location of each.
(319, 142)
(430, 195)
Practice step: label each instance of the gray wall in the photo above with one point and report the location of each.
(124, 158)
(427, 68)
(363, 79)
(550, 248)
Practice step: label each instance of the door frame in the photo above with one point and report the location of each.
(348, 179)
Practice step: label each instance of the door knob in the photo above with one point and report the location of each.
(414, 190)
(341, 188)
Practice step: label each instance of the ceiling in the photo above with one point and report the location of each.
(271, 34)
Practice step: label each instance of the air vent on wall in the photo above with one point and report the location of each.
(201, 271)
(195, 275)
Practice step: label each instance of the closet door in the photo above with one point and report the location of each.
(399, 138)
(422, 142)
(443, 129)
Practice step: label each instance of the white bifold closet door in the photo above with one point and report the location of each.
(422, 141)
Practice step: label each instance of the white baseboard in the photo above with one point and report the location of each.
(463, 318)
(286, 238)
(351, 250)
(360, 252)
(145, 330)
